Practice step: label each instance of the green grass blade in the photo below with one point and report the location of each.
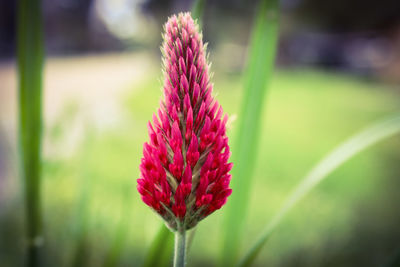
(114, 254)
(335, 159)
(30, 65)
(83, 216)
(259, 72)
(197, 10)
(161, 245)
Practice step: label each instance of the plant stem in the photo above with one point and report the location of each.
(180, 248)
(30, 65)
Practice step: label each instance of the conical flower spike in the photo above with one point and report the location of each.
(185, 170)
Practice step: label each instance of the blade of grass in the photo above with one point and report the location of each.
(163, 244)
(259, 72)
(197, 10)
(83, 216)
(190, 239)
(114, 254)
(30, 65)
(335, 159)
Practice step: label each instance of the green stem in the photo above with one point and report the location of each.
(30, 65)
(180, 248)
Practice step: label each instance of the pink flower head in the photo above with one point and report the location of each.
(184, 169)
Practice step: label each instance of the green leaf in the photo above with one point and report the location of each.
(197, 10)
(259, 72)
(160, 252)
(335, 159)
(114, 254)
(82, 217)
(30, 65)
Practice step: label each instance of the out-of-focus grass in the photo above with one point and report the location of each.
(258, 74)
(341, 154)
(30, 58)
(309, 112)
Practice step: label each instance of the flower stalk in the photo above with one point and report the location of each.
(180, 248)
(184, 172)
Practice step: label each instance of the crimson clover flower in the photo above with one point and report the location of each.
(184, 169)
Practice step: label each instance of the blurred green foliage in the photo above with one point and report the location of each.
(258, 74)
(310, 112)
(94, 217)
(341, 154)
(30, 58)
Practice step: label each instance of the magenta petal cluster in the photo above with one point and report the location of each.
(184, 169)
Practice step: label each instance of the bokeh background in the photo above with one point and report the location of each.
(337, 71)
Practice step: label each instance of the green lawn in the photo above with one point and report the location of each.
(91, 195)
